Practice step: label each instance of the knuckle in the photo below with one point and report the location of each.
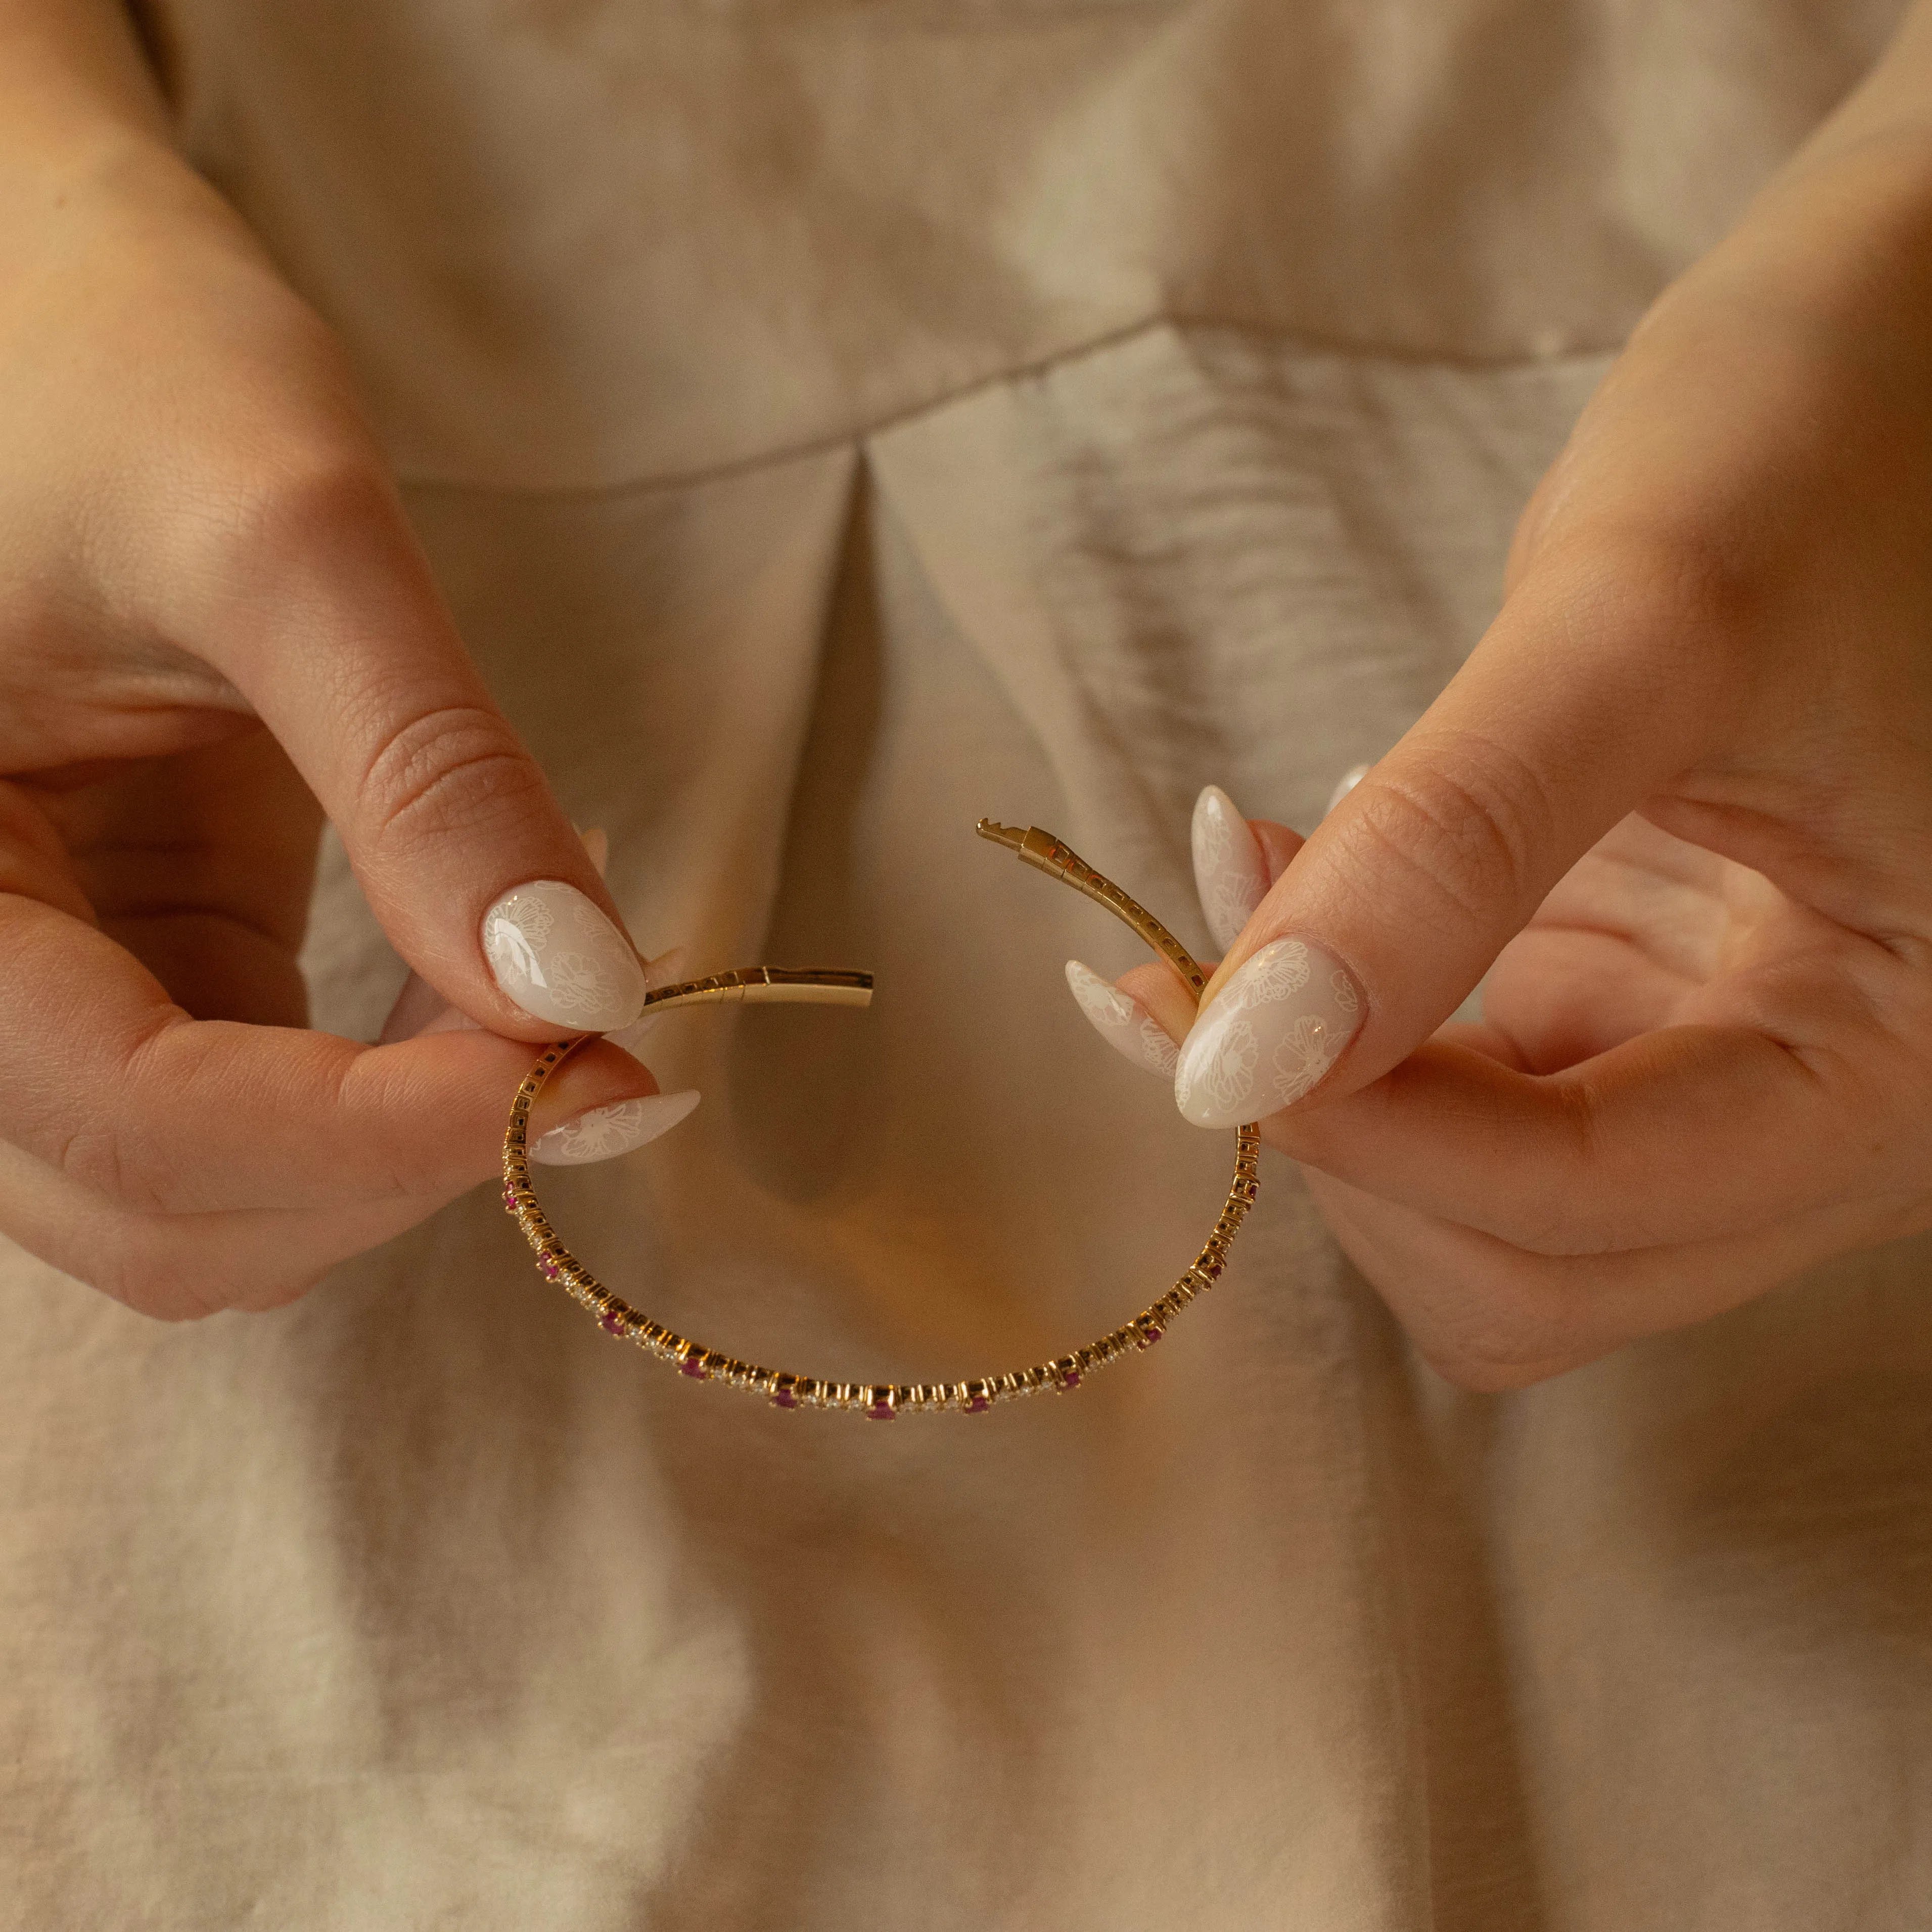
(317, 496)
(1465, 827)
(1687, 578)
(97, 1158)
(321, 492)
(168, 1267)
(1679, 597)
(144, 1268)
(119, 1157)
(448, 769)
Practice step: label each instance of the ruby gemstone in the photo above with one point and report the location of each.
(882, 1411)
(547, 1266)
(978, 1405)
(611, 1323)
(692, 1366)
(784, 1398)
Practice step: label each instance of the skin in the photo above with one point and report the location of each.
(215, 627)
(1680, 797)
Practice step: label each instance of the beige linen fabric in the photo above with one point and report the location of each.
(832, 422)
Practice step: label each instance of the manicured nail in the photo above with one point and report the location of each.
(1268, 1036)
(1230, 874)
(664, 970)
(1351, 778)
(561, 960)
(1122, 1021)
(668, 966)
(601, 1131)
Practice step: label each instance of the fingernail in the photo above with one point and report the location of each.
(667, 966)
(1122, 1021)
(1268, 1036)
(601, 1131)
(1230, 874)
(664, 970)
(1351, 778)
(451, 1019)
(561, 960)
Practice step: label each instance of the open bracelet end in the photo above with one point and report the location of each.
(876, 1402)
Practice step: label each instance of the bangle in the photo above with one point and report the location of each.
(882, 1402)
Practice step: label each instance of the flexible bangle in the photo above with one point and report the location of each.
(753, 986)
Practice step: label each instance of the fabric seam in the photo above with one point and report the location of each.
(858, 435)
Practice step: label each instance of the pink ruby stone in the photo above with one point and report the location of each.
(978, 1405)
(1149, 1337)
(611, 1324)
(1071, 1379)
(547, 1266)
(784, 1398)
(692, 1366)
(881, 1411)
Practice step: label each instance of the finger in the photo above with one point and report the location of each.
(1490, 1317)
(1278, 845)
(200, 865)
(115, 1088)
(1122, 1021)
(1627, 941)
(1552, 732)
(1691, 1133)
(1143, 1013)
(1148, 1009)
(420, 1008)
(178, 1265)
(318, 604)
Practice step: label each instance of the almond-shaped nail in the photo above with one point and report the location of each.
(600, 1133)
(1349, 779)
(1122, 1021)
(1268, 1036)
(1230, 874)
(554, 953)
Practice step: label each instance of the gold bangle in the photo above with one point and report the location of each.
(881, 1401)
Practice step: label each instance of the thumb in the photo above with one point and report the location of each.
(1577, 705)
(340, 641)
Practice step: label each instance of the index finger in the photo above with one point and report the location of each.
(1688, 1133)
(115, 1086)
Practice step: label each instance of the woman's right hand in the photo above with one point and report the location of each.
(215, 627)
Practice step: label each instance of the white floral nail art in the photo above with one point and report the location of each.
(1280, 970)
(1230, 874)
(1268, 1037)
(554, 953)
(602, 1132)
(1122, 1021)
